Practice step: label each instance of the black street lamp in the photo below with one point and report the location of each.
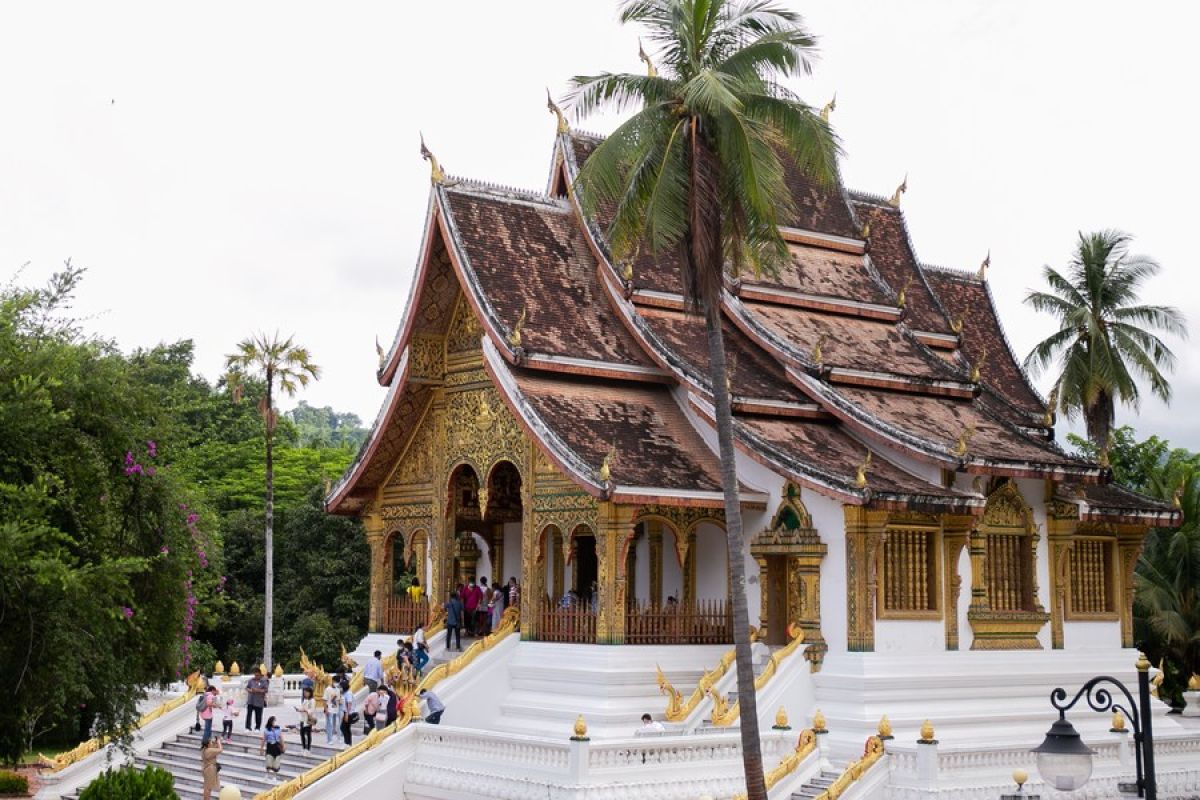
(1065, 762)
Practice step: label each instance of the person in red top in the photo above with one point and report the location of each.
(471, 598)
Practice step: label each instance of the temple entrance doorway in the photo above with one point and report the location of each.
(775, 594)
(586, 567)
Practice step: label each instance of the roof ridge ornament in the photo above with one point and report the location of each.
(902, 298)
(651, 72)
(1051, 404)
(829, 107)
(977, 367)
(605, 471)
(817, 356)
(860, 474)
(553, 108)
(983, 268)
(957, 326)
(964, 441)
(894, 200)
(865, 232)
(514, 336)
(436, 175)
(379, 351)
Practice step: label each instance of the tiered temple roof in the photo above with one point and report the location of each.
(856, 348)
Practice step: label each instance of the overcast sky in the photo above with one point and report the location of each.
(227, 167)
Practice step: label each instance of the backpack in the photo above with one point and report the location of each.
(201, 701)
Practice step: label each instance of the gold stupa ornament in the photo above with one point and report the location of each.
(926, 733)
(781, 720)
(262, 668)
(885, 727)
(819, 722)
(1194, 683)
(580, 729)
(234, 669)
(1118, 722)
(219, 668)
(278, 673)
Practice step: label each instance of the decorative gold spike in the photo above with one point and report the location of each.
(977, 367)
(1118, 722)
(894, 201)
(902, 298)
(964, 440)
(860, 475)
(818, 725)
(436, 175)
(885, 727)
(262, 667)
(983, 268)
(650, 70)
(514, 338)
(1051, 405)
(957, 326)
(927, 732)
(829, 107)
(865, 233)
(817, 356)
(606, 465)
(483, 501)
(379, 351)
(556, 111)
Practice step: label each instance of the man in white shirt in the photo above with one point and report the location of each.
(373, 672)
(650, 726)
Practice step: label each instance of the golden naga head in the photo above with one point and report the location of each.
(829, 107)
(860, 475)
(651, 72)
(436, 175)
(894, 200)
(553, 108)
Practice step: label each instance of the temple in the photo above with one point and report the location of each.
(918, 546)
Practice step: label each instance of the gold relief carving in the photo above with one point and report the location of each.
(464, 331)
(426, 357)
(418, 463)
(1060, 509)
(485, 432)
(542, 463)
(864, 537)
(423, 511)
(466, 377)
(1006, 508)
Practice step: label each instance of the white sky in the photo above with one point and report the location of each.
(228, 167)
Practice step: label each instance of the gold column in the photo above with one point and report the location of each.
(1061, 521)
(804, 578)
(864, 537)
(379, 580)
(533, 569)
(655, 545)
(977, 541)
(615, 526)
(1129, 546)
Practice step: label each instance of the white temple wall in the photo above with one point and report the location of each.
(830, 521)
(1091, 635)
(712, 575)
(1034, 492)
(966, 636)
(512, 554)
(905, 636)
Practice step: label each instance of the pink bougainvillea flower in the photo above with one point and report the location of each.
(151, 449)
(128, 612)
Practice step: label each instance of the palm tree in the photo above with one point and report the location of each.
(1167, 591)
(276, 361)
(698, 170)
(1104, 337)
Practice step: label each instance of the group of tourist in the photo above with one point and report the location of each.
(478, 607)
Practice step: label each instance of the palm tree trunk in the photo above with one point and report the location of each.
(1099, 417)
(269, 539)
(752, 762)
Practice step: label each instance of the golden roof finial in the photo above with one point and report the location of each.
(436, 175)
(817, 356)
(606, 465)
(278, 672)
(977, 367)
(964, 440)
(885, 727)
(819, 722)
(514, 337)
(234, 669)
(902, 298)
(219, 668)
(865, 233)
(829, 107)
(860, 475)
(651, 72)
(894, 201)
(927, 731)
(957, 326)
(556, 111)
(983, 268)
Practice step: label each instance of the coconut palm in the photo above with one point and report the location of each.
(277, 362)
(1105, 339)
(699, 170)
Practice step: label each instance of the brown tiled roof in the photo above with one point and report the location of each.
(825, 451)
(851, 342)
(530, 255)
(755, 373)
(830, 273)
(1113, 500)
(969, 299)
(938, 421)
(655, 444)
(892, 255)
(822, 209)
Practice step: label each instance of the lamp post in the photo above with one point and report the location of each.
(1065, 762)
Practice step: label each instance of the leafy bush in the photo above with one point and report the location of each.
(128, 783)
(12, 783)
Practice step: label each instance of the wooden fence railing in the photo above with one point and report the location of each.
(554, 624)
(403, 614)
(698, 622)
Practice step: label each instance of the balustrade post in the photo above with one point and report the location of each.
(927, 757)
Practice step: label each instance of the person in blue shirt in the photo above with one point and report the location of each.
(373, 672)
(435, 705)
(272, 744)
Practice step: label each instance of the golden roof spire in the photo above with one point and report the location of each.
(436, 175)
(894, 201)
(860, 475)
(651, 72)
(983, 268)
(829, 107)
(556, 111)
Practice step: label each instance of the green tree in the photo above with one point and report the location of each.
(277, 362)
(698, 170)
(1104, 339)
